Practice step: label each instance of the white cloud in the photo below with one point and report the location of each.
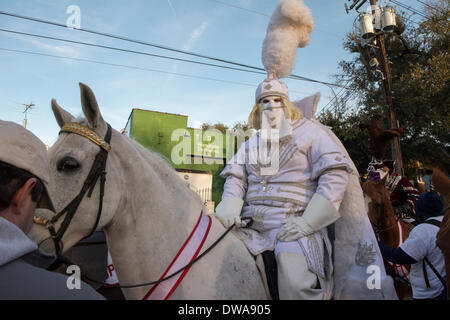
(171, 6)
(195, 35)
(53, 49)
(188, 45)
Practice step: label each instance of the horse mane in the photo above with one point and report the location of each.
(159, 157)
(371, 187)
(368, 187)
(154, 162)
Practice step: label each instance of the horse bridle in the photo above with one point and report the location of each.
(376, 226)
(98, 171)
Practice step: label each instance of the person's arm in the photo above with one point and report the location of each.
(228, 211)
(395, 255)
(331, 169)
(414, 249)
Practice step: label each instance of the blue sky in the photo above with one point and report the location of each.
(207, 27)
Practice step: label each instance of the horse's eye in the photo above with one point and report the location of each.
(68, 164)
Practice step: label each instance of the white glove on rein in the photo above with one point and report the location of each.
(228, 211)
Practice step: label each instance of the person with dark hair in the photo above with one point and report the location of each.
(24, 186)
(427, 275)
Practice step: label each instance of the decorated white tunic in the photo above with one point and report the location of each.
(309, 162)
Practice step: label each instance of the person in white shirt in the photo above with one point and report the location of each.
(427, 275)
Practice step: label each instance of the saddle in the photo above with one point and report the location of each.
(267, 265)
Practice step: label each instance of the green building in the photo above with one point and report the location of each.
(198, 156)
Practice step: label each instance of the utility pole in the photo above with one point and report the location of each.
(27, 108)
(387, 83)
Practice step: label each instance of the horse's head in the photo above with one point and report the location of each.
(377, 199)
(71, 163)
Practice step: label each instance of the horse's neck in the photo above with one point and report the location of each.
(157, 213)
(392, 234)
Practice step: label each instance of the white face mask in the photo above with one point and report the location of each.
(273, 117)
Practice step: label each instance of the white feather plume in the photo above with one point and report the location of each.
(289, 29)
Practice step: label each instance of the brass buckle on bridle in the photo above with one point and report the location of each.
(37, 219)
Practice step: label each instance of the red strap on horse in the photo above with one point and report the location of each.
(188, 252)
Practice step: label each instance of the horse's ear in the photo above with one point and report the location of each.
(62, 116)
(90, 108)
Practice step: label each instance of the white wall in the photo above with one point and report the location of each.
(201, 183)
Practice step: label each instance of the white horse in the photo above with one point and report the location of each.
(148, 213)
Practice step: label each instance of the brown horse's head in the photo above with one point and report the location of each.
(379, 204)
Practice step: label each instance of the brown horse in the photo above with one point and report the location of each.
(387, 229)
(441, 183)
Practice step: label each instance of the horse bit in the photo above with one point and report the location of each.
(98, 170)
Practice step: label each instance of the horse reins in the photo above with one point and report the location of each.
(67, 262)
(376, 226)
(98, 171)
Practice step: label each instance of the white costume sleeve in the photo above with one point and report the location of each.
(228, 211)
(332, 186)
(330, 167)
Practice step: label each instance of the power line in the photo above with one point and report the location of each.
(159, 47)
(241, 8)
(132, 67)
(126, 50)
(265, 15)
(348, 96)
(431, 7)
(329, 105)
(414, 11)
(154, 55)
(348, 93)
(409, 8)
(336, 96)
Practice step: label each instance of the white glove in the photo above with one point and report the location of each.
(294, 228)
(319, 214)
(228, 211)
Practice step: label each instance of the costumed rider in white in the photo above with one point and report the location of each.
(292, 207)
(306, 184)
